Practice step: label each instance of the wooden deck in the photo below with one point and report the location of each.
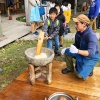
(12, 29)
(20, 88)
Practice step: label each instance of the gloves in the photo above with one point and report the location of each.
(63, 51)
(73, 49)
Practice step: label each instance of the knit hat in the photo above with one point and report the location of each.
(82, 18)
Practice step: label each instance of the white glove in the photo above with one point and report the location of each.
(63, 51)
(73, 49)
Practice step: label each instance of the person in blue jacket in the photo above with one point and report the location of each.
(93, 13)
(85, 49)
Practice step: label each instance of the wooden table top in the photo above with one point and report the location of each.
(20, 88)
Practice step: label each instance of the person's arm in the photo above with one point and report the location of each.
(83, 52)
(92, 43)
(97, 9)
(63, 19)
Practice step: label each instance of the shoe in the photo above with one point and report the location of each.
(61, 45)
(91, 73)
(57, 53)
(65, 71)
(1, 70)
(53, 45)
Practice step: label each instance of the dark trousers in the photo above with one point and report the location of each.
(98, 21)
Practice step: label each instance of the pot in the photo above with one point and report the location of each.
(56, 95)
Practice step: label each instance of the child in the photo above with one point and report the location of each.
(51, 29)
(67, 11)
(61, 19)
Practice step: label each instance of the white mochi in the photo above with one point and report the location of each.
(42, 55)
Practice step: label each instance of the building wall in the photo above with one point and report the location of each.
(2, 0)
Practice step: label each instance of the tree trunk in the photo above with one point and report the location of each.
(75, 7)
(26, 11)
(0, 27)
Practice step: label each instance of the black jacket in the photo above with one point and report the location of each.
(61, 19)
(9, 3)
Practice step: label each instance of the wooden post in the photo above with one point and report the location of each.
(75, 7)
(31, 73)
(26, 11)
(0, 26)
(40, 41)
(49, 73)
(17, 4)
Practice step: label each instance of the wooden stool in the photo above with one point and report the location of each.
(35, 72)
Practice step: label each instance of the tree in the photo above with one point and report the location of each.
(0, 26)
(75, 7)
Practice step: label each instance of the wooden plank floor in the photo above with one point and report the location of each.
(12, 29)
(20, 88)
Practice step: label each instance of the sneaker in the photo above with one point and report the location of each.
(53, 45)
(91, 73)
(61, 45)
(66, 70)
(57, 53)
(1, 70)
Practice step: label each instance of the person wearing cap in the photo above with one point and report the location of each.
(84, 50)
(93, 13)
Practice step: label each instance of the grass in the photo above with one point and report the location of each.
(13, 61)
(22, 19)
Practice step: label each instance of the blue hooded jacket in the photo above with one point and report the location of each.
(94, 9)
(87, 40)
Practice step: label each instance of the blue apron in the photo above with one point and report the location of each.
(84, 65)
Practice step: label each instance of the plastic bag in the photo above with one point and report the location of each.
(41, 10)
(34, 14)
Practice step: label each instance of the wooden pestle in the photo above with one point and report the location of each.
(40, 42)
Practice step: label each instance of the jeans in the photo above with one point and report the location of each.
(50, 42)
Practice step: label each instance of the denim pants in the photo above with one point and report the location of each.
(56, 41)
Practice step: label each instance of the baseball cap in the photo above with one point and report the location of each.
(82, 18)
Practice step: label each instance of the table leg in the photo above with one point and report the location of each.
(49, 73)
(31, 73)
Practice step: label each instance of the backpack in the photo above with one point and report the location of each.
(48, 21)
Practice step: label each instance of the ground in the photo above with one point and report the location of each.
(13, 61)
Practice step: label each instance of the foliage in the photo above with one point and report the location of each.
(22, 19)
